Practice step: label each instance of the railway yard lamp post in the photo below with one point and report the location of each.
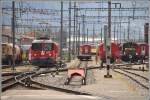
(107, 36)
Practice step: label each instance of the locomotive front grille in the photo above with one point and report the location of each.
(43, 62)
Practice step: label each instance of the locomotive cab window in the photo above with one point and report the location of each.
(36, 46)
(47, 46)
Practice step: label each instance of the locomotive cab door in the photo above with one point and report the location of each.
(86, 48)
(143, 50)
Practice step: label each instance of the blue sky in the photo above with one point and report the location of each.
(137, 25)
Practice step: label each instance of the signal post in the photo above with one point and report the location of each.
(107, 42)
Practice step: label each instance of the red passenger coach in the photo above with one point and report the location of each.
(115, 52)
(85, 52)
(43, 53)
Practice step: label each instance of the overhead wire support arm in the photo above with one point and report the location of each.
(136, 17)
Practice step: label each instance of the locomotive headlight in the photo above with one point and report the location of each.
(50, 54)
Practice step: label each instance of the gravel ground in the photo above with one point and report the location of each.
(117, 87)
(60, 79)
(20, 68)
(140, 90)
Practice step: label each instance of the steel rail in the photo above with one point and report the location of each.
(138, 82)
(136, 74)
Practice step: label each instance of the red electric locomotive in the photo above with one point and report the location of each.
(85, 52)
(115, 52)
(134, 52)
(43, 53)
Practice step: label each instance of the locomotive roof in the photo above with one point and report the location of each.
(85, 44)
(40, 41)
(43, 41)
(111, 43)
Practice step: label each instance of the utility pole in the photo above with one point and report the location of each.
(120, 21)
(101, 34)
(108, 41)
(13, 34)
(117, 32)
(61, 31)
(69, 48)
(93, 32)
(79, 39)
(87, 36)
(120, 30)
(83, 29)
(146, 32)
(124, 35)
(114, 31)
(74, 31)
(128, 27)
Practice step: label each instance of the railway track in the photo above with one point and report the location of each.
(124, 66)
(17, 65)
(26, 79)
(59, 88)
(56, 88)
(140, 80)
(12, 79)
(8, 83)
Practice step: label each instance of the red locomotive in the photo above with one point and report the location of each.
(43, 53)
(134, 51)
(85, 52)
(115, 52)
(143, 50)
